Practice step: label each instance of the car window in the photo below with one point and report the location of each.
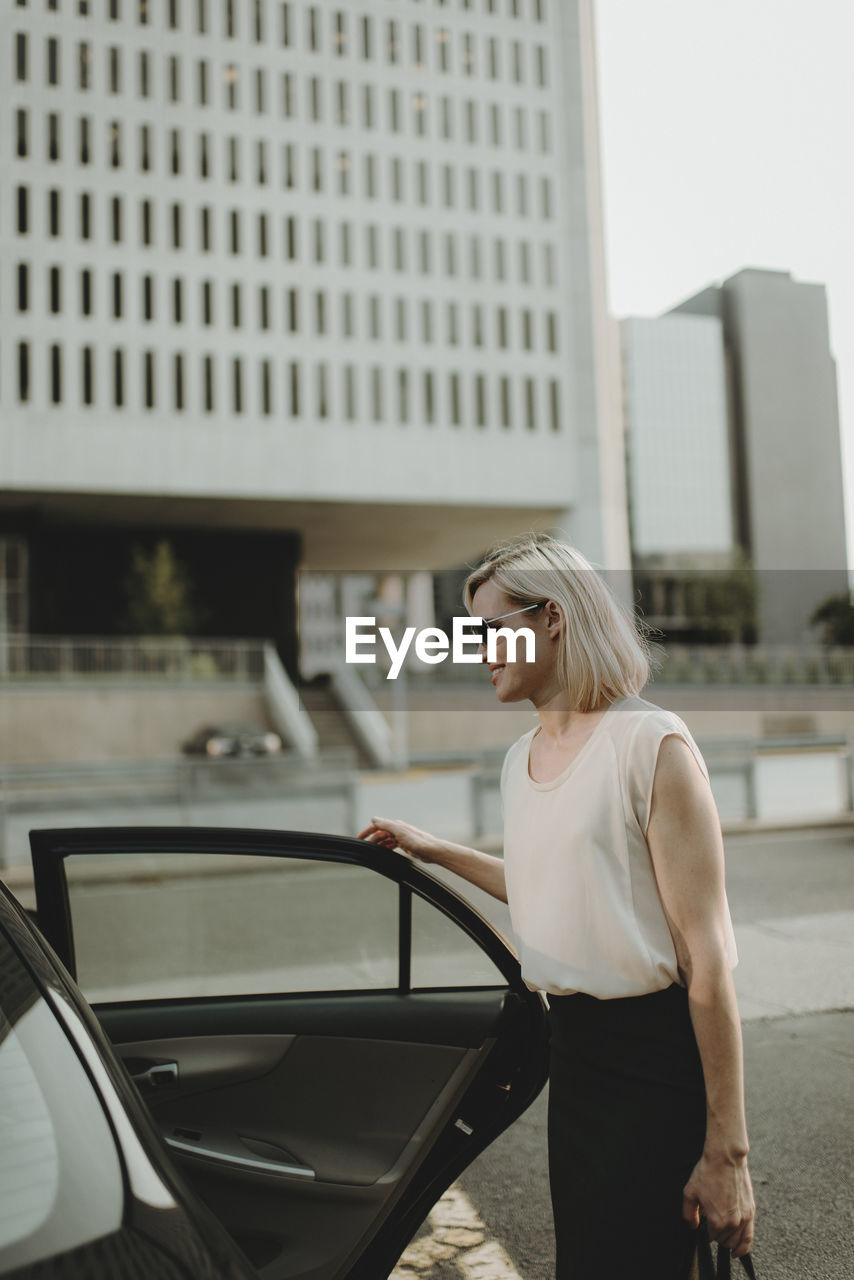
(60, 1175)
(443, 955)
(166, 924)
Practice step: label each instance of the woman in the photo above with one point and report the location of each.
(613, 870)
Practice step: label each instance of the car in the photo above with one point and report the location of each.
(232, 739)
(245, 1055)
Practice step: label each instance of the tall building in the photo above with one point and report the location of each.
(298, 284)
(732, 431)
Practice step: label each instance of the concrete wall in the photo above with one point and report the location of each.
(55, 725)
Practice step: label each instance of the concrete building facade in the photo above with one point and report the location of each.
(326, 275)
(754, 389)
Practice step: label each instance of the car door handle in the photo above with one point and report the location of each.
(233, 1151)
(156, 1076)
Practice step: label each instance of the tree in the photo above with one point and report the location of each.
(835, 616)
(159, 594)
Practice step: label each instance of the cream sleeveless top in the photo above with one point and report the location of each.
(582, 892)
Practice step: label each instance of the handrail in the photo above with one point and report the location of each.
(66, 659)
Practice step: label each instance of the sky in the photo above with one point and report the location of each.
(727, 136)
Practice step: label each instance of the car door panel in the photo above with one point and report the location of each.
(319, 1126)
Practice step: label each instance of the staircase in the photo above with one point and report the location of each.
(333, 732)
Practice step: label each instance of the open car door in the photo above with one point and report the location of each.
(325, 1034)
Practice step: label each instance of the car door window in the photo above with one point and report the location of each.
(443, 956)
(160, 925)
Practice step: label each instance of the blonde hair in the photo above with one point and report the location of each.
(603, 652)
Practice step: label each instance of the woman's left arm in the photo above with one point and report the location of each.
(685, 843)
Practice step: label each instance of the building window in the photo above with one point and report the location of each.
(262, 239)
(285, 24)
(402, 395)
(54, 290)
(530, 404)
(54, 142)
(55, 373)
(289, 166)
(177, 227)
(148, 380)
(173, 15)
(288, 96)
(294, 380)
(424, 252)
(266, 389)
(118, 378)
(264, 306)
(177, 301)
(291, 238)
(21, 60)
(426, 321)
(236, 306)
(348, 328)
(546, 198)
(350, 409)
(178, 381)
(374, 317)
(506, 403)
(114, 70)
(367, 39)
(207, 303)
(260, 91)
(339, 38)
(23, 372)
(148, 298)
(554, 404)
(394, 110)
(451, 324)
(454, 397)
(467, 56)
(202, 89)
(147, 223)
(85, 216)
(208, 383)
(429, 396)
(84, 62)
(345, 251)
(54, 212)
(114, 144)
(322, 392)
(204, 156)
(118, 295)
(527, 329)
(143, 75)
(116, 219)
(22, 132)
(23, 286)
(368, 111)
(293, 310)
(377, 393)
(480, 399)
(23, 210)
(52, 60)
(87, 378)
(319, 241)
(315, 99)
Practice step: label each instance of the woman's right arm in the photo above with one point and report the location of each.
(481, 869)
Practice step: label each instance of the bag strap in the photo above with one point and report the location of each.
(707, 1270)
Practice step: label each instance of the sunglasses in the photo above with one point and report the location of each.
(489, 624)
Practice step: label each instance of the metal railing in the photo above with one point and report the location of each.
(754, 665)
(25, 659)
(677, 665)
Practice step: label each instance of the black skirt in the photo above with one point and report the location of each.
(627, 1120)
